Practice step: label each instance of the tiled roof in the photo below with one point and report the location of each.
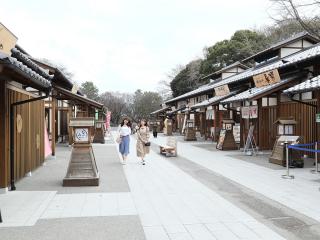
(278, 45)
(160, 110)
(309, 85)
(27, 61)
(308, 53)
(177, 110)
(212, 101)
(27, 71)
(201, 89)
(253, 92)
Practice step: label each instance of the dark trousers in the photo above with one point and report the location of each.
(155, 134)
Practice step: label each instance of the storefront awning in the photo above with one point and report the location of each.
(63, 94)
(306, 86)
(259, 92)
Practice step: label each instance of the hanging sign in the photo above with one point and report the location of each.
(253, 111)
(7, 41)
(249, 112)
(222, 90)
(266, 78)
(317, 117)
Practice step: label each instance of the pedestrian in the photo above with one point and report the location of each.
(124, 139)
(143, 144)
(155, 130)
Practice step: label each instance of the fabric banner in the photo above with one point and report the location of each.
(108, 119)
(210, 115)
(47, 145)
(249, 112)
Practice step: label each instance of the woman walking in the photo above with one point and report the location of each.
(124, 132)
(143, 144)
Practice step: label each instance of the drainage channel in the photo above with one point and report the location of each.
(285, 221)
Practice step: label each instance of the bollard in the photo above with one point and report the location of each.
(316, 170)
(0, 217)
(287, 175)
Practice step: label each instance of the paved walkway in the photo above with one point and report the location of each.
(301, 193)
(199, 195)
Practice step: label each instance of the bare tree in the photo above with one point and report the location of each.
(305, 12)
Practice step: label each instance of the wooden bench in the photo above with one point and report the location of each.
(170, 149)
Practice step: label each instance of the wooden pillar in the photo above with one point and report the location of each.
(258, 128)
(3, 142)
(53, 122)
(215, 120)
(318, 111)
(68, 121)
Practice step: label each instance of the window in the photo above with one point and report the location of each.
(272, 101)
(264, 102)
(306, 96)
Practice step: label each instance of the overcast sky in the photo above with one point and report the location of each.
(123, 45)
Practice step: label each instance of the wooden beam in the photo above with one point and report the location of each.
(3, 162)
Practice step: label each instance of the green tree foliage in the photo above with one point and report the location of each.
(187, 79)
(143, 104)
(90, 90)
(241, 45)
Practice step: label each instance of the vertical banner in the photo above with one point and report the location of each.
(47, 145)
(108, 119)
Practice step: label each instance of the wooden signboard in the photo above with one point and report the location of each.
(278, 155)
(267, 78)
(82, 169)
(7, 41)
(222, 90)
(226, 140)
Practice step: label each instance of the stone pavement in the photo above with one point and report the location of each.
(198, 195)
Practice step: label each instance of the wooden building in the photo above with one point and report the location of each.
(309, 86)
(23, 87)
(263, 102)
(32, 92)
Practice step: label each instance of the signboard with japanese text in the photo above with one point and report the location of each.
(222, 90)
(266, 78)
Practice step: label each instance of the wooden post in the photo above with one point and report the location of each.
(318, 111)
(68, 121)
(3, 143)
(53, 129)
(259, 127)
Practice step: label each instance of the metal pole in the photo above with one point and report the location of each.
(316, 170)
(287, 175)
(316, 156)
(12, 180)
